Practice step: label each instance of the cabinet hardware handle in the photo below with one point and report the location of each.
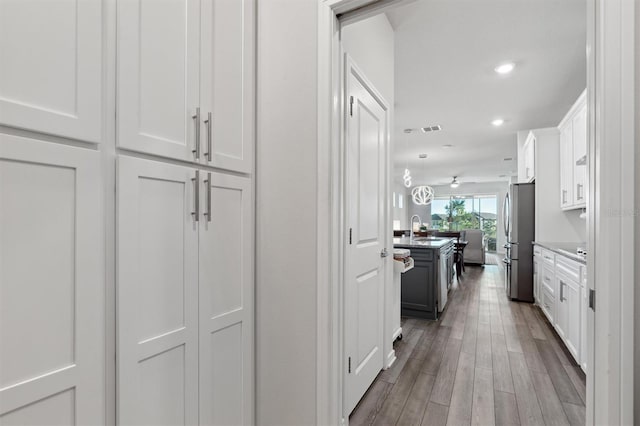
(196, 196)
(579, 190)
(208, 182)
(196, 119)
(208, 121)
(562, 291)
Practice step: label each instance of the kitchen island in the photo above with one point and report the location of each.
(425, 287)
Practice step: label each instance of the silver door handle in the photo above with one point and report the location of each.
(384, 252)
(208, 121)
(196, 119)
(208, 182)
(196, 196)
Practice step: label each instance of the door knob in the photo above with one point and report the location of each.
(384, 252)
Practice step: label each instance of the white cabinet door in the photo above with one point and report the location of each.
(157, 294)
(51, 67)
(158, 76)
(51, 284)
(579, 156)
(584, 305)
(227, 83)
(568, 312)
(530, 158)
(566, 167)
(226, 300)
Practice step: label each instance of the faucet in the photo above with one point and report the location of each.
(411, 226)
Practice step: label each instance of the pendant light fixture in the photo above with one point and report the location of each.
(422, 195)
(407, 174)
(454, 182)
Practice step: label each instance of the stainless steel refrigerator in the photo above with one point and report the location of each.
(519, 227)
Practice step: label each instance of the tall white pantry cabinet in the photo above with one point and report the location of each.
(153, 100)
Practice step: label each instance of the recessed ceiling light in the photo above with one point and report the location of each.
(505, 68)
(447, 146)
(498, 122)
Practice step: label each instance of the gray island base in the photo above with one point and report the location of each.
(424, 288)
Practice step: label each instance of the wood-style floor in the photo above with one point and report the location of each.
(487, 361)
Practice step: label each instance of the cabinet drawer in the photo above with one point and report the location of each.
(547, 304)
(568, 267)
(537, 250)
(548, 256)
(547, 280)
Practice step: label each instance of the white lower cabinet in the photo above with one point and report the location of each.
(563, 299)
(185, 295)
(51, 284)
(568, 312)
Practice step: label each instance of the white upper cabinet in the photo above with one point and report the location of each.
(530, 158)
(51, 67)
(158, 76)
(566, 172)
(52, 326)
(573, 156)
(199, 108)
(227, 83)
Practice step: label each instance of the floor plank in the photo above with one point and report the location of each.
(561, 382)
(528, 407)
(432, 360)
(575, 413)
(551, 406)
(418, 399)
(535, 327)
(484, 357)
(443, 385)
(462, 396)
(369, 406)
(397, 398)
(403, 349)
(436, 415)
(530, 349)
(483, 409)
(578, 379)
(502, 380)
(506, 409)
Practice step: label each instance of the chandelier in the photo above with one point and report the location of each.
(422, 195)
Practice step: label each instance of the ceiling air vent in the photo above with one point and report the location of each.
(431, 129)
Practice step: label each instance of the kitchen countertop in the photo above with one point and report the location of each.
(565, 249)
(406, 242)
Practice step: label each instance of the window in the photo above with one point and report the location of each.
(460, 212)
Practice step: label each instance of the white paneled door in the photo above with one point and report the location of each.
(226, 301)
(51, 67)
(51, 284)
(227, 83)
(157, 294)
(366, 171)
(158, 77)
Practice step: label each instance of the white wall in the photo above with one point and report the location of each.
(370, 43)
(401, 214)
(286, 209)
(552, 223)
(287, 197)
(636, 392)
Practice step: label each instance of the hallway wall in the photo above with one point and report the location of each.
(287, 212)
(637, 225)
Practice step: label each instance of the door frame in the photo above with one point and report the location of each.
(611, 205)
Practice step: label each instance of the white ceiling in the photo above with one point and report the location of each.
(445, 55)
